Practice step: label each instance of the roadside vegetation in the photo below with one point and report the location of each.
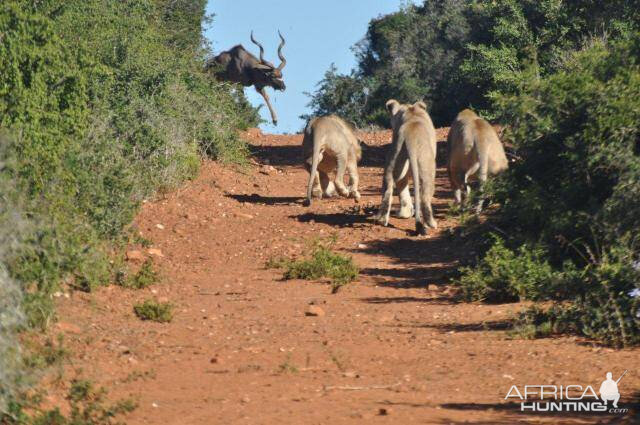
(321, 262)
(143, 278)
(161, 312)
(102, 105)
(87, 407)
(564, 77)
(453, 53)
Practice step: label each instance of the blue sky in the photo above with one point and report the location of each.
(317, 33)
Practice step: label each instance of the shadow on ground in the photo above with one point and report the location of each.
(631, 417)
(277, 155)
(489, 325)
(422, 300)
(416, 277)
(558, 418)
(372, 156)
(340, 220)
(439, 252)
(254, 198)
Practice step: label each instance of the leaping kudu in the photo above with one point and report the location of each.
(239, 66)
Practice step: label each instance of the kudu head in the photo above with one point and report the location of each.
(266, 73)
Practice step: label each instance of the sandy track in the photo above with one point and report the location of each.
(241, 350)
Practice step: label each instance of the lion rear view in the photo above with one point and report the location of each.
(330, 144)
(412, 156)
(475, 152)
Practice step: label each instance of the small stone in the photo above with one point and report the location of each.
(314, 310)
(160, 226)
(155, 252)
(350, 374)
(267, 169)
(432, 287)
(215, 360)
(384, 411)
(135, 255)
(243, 215)
(362, 246)
(245, 399)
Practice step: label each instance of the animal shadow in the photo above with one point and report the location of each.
(277, 155)
(254, 198)
(336, 219)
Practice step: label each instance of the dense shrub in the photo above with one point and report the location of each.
(155, 311)
(323, 263)
(88, 406)
(578, 132)
(106, 110)
(106, 103)
(576, 190)
(505, 275)
(453, 53)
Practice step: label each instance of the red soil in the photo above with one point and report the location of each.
(393, 347)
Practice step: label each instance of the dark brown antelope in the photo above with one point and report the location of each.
(239, 66)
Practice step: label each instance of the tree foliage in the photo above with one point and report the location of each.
(574, 195)
(106, 103)
(453, 53)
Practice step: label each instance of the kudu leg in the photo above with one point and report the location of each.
(265, 96)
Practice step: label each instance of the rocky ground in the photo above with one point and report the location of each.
(392, 347)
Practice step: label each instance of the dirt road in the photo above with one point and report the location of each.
(393, 347)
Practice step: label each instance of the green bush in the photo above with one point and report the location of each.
(532, 323)
(154, 311)
(576, 192)
(577, 131)
(143, 278)
(453, 53)
(607, 308)
(504, 275)
(324, 263)
(106, 103)
(88, 407)
(103, 118)
(321, 263)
